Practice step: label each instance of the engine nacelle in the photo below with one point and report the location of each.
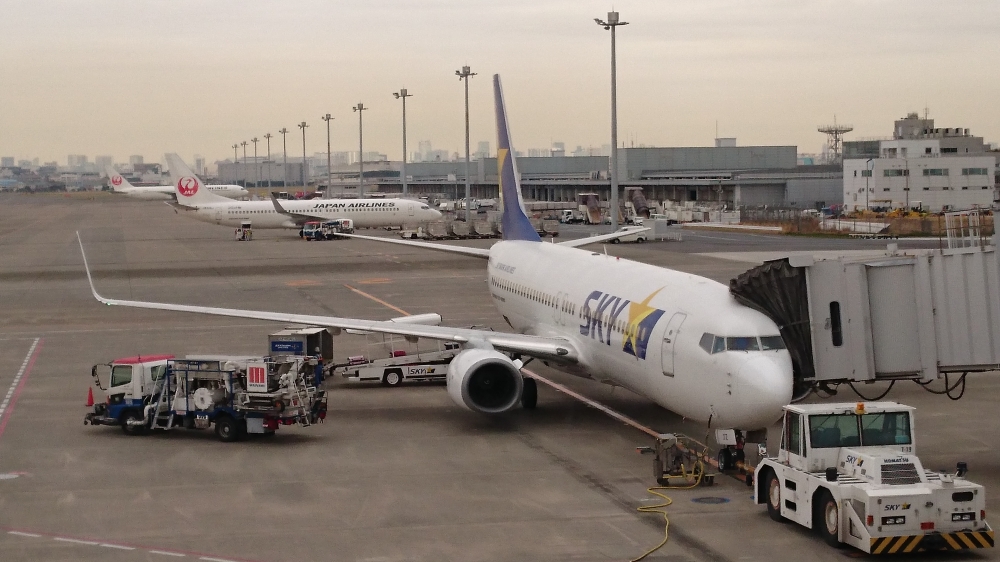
(485, 381)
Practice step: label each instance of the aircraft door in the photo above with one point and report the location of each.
(218, 215)
(669, 340)
(409, 208)
(557, 312)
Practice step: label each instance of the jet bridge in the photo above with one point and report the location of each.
(914, 316)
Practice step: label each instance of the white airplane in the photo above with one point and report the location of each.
(678, 339)
(164, 192)
(208, 207)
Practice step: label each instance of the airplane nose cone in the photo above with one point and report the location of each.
(435, 214)
(763, 387)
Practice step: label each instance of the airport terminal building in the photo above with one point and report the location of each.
(728, 175)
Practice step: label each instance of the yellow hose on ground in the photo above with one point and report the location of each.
(696, 472)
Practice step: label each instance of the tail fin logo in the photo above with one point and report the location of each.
(187, 186)
(116, 180)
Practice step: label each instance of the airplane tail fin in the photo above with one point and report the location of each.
(514, 219)
(188, 188)
(116, 180)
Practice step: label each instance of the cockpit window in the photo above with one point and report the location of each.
(424, 207)
(706, 342)
(769, 343)
(740, 343)
(720, 344)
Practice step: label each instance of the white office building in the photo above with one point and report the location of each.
(915, 174)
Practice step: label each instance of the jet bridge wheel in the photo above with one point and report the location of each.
(826, 517)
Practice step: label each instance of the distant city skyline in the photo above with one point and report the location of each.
(113, 77)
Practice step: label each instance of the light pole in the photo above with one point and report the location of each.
(246, 176)
(236, 164)
(329, 170)
(402, 95)
(868, 177)
(303, 126)
(256, 165)
(464, 74)
(284, 160)
(611, 24)
(361, 150)
(268, 137)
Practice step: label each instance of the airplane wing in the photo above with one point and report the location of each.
(464, 250)
(299, 218)
(556, 349)
(599, 238)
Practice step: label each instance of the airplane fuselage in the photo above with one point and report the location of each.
(364, 212)
(643, 327)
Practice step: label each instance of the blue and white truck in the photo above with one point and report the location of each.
(236, 395)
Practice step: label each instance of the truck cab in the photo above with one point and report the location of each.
(850, 472)
(125, 382)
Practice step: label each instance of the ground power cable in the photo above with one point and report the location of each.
(697, 471)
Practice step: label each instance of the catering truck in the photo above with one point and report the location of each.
(850, 472)
(236, 395)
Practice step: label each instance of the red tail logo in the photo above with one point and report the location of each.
(187, 186)
(116, 180)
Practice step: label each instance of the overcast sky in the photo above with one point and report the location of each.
(125, 77)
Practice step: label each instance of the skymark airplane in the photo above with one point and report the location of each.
(678, 339)
(208, 207)
(164, 192)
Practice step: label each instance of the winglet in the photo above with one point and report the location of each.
(514, 220)
(86, 267)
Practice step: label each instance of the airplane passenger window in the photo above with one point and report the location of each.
(706, 342)
(748, 343)
(769, 343)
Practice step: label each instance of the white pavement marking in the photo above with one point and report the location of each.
(20, 534)
(118, 546)
(75, 541)
(209, 559)
(165, 553)
(28, 359)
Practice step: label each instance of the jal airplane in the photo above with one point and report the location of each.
(678, 339)
(209, 207)
(163, 192)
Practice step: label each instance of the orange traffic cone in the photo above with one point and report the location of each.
(90, 397)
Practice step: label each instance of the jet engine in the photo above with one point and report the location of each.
(485, 381)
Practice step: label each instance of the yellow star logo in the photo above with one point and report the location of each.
(637, 312)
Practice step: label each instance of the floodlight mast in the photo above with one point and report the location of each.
(360, 108)
(329, 169)
(464, 74)
(611, 23)
(269, 169)
(402, 95)
(303, 126)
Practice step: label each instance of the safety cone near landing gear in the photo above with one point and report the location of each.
(90, 397)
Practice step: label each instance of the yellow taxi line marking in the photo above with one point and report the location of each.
(378, 300)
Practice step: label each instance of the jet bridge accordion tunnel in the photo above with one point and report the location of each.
(915, 316)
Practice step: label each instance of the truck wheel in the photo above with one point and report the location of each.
(772, 485)
(826, 517)
(226, 429)
(132, 415)
(615, 241)
(392, 378)
(725, 459)
(529, 396)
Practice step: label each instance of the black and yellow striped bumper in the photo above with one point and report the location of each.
(933, 541)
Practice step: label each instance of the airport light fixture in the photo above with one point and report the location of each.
(236, 163)
(329, 170)
(402, 95)
(612, 22)
(303, 126)
(268, 136)
(284, 161)
(256, 164)
(361, 150)
(464, 74)
(246, 176)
